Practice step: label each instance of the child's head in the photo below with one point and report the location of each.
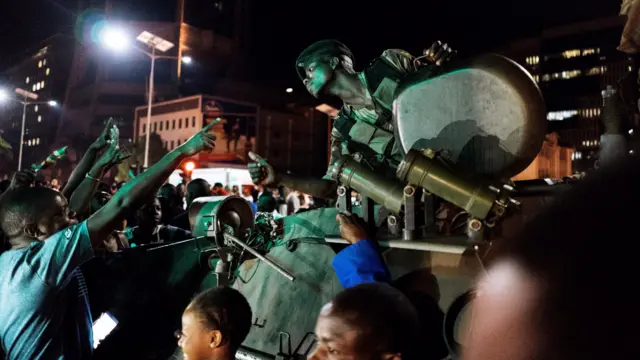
(35, 213)
(214, 324)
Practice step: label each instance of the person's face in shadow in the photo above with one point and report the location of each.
(150, 214)
(340, 340)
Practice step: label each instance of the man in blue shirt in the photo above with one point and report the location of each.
(360, 262)
(44, 310)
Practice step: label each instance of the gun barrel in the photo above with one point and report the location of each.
(387, 192)
(420, 170)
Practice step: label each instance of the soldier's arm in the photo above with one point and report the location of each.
(400, 59)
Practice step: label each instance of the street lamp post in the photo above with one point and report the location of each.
(149, 104)
(155, 43)
(116, 39)
(26, 97)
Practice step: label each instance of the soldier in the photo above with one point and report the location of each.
(363, 127)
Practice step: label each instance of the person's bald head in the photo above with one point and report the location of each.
(562, 288)
(370, 321)
(197, 188)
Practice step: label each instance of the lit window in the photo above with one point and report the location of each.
(571, 54)
(38, 86)
(44, 62)
(26, 81)
(546, 77)
(29, 142)
(594, 71)
(586, 52)
(39, 118)
(537, 78)
(40, 64)
(37, 141)
(561, 115)
(571, 74)
(42, 84)
(48, 72)
(33, 88)
(35, 108)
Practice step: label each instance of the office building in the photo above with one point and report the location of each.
(572, 64)
(44, 70)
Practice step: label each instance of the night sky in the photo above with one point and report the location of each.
(280, 29)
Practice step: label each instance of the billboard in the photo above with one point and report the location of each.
(235, 131)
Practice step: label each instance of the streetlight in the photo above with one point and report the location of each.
(28, 98)
(116, 39)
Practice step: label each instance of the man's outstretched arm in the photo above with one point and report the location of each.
(86, 163)
(133, 193)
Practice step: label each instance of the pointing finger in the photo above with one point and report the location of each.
(257, 158)
(210, 125)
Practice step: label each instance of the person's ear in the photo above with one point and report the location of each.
(33, 230)
(390, 356)
(216, 339)
(334, 62)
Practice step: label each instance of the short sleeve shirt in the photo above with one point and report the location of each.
(44, 311)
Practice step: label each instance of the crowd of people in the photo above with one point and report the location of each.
(558, 289)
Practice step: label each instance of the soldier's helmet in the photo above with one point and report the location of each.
(329, 48)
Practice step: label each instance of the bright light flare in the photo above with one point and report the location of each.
(4, 95)
(190, 166)
(114, 38)
(52, 103)
(289, 90)
(187, 60)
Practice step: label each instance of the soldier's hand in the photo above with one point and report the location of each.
(203, 140)
(262, 173)
(352, 227)
(439, 53)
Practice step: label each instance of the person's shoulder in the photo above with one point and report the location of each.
(71, 232)
(400, 59)
(394, 53)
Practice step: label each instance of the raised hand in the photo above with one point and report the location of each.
(262, 173)
(352, 227)
(106, 136)
(439, 53)
(203, 140)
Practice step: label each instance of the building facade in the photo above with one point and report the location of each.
(43, 71)
(572, 65)
(293, 140)
(553, 161)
